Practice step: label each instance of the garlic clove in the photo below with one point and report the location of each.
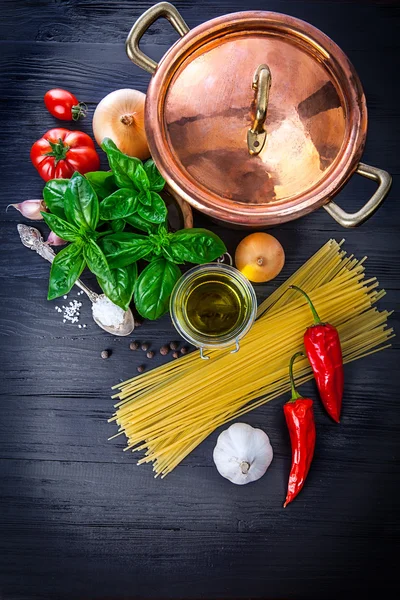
(30, 209)
(54, 240)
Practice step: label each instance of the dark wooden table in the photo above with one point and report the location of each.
(79, 519)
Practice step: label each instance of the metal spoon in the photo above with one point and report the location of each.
(32, 238)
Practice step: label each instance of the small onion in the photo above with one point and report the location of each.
(120, 117)
(259, 257)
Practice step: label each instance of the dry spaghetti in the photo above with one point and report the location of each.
(172, 409)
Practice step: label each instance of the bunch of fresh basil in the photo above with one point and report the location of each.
(92, 212)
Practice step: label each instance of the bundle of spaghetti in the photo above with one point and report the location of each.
(172, 409)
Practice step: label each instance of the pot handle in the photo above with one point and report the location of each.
(162, 9)
(384, 181)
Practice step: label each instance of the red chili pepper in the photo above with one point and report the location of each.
(299, 417)
(322, 344)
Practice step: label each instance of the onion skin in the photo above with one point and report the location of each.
(259, 257)
(120, 117)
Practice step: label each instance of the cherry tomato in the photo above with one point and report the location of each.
(64, 105)
(61, 152)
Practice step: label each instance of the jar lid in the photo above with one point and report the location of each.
(255, 114)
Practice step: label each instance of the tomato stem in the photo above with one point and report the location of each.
(79, 111)
(58, 150)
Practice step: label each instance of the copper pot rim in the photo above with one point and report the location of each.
(341, 70)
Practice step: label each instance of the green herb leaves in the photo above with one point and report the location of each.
(153, 209)
(53, 195)
(102, 182)
(81, 204)
(119, 205)
(65, 270)
(154, 286)
(122, 166)
(156, 180)
(139, 183)
(129, 199)
(197, 246)
(77, 202)
(122, 249)
(117, 284)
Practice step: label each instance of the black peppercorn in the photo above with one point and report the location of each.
(145, 347)
(138, 323)
(184, 350)
(174, 345)
(150, 354)
(105, 354)
(134, 345)
(140, 369)
(175, 354)
(164, 350)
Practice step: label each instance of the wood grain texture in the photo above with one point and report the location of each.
(78, 519)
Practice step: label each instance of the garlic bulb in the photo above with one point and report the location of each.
(242, 453)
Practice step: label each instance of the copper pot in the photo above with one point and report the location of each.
(255, 118)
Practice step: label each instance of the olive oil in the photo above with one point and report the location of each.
(215, 305)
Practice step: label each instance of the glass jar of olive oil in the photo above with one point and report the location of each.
(213, 306)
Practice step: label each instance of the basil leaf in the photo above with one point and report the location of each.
(62, 228)
(154, 286)
(96, 261)
(197, 246)
(118, 285)
(118, 225)
(122, 249)
(65, 270)
(81, 204)
(138, 222)
(145, 197)
(141, 180)
(53, 195)
(156, 181)
(123, 166)
(169, 255)
(119, 205)
(156, 212)
(102, 182)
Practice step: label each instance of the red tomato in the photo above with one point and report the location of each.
(64, 105)
(61, 152)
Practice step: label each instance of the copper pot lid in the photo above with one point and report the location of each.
(256, 113)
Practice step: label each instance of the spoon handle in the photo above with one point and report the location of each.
(32, 238)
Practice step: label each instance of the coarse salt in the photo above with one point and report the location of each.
(70, 312)
(107, 312)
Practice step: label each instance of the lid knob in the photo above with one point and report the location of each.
(257, 135)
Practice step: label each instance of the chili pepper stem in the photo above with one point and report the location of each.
(295, 393)
(311, 305)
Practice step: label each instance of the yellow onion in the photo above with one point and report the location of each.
(120, 116)
(260, 257)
